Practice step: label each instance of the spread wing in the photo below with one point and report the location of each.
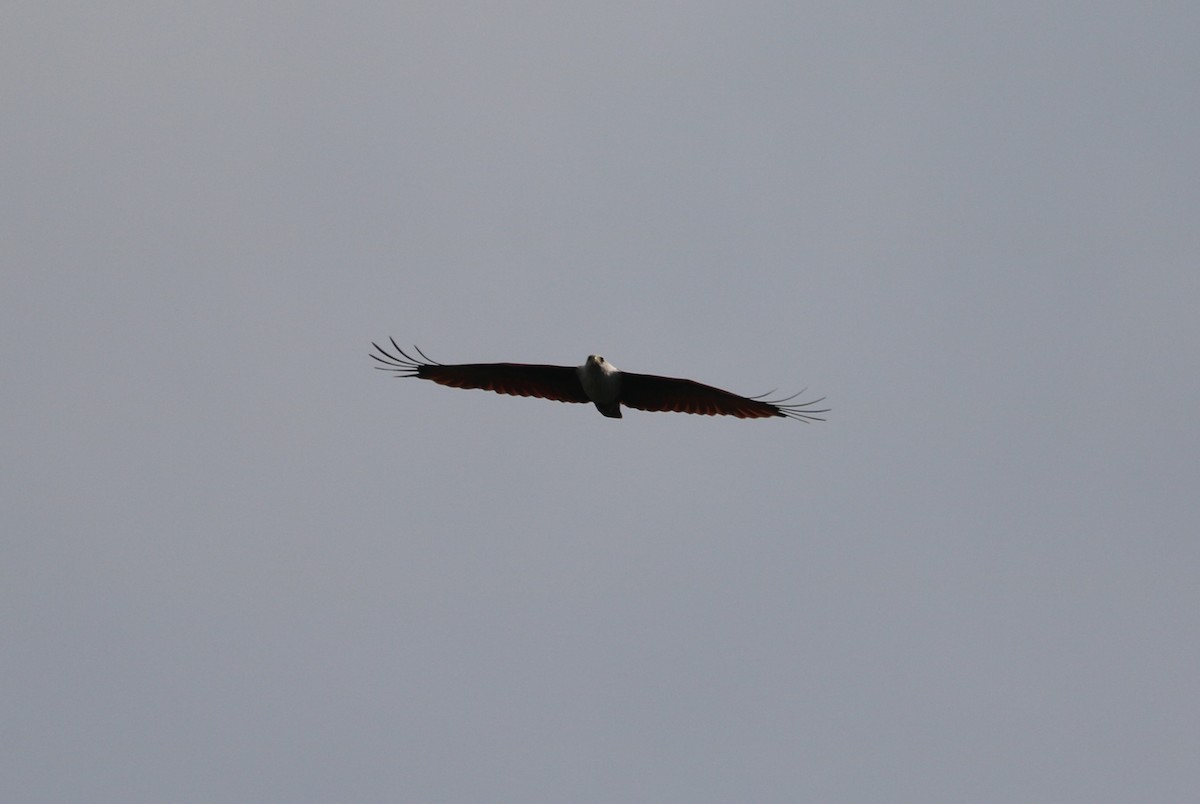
(559, 383)
(648, 392)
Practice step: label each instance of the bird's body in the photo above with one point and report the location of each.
(596, 381)
(601, 382)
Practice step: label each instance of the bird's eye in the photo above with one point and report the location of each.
(599, 359)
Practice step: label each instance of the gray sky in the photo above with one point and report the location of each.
(240, 565)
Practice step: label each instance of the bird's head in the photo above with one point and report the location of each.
(597, 362)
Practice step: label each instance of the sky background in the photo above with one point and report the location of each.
(241, 565)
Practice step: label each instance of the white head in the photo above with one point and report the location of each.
(595, 362)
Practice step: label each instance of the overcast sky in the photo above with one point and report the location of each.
(241, 565)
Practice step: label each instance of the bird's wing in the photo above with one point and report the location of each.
(559, 383)
(648, 392)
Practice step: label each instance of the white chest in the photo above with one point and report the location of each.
(601, 380)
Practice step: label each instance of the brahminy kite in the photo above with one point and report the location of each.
(599, 382)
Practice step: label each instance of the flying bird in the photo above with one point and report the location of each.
(599, 382)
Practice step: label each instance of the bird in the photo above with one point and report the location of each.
(596, 381)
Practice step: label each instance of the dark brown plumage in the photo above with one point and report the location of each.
(596, 381)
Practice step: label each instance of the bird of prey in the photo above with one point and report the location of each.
(599, 382)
